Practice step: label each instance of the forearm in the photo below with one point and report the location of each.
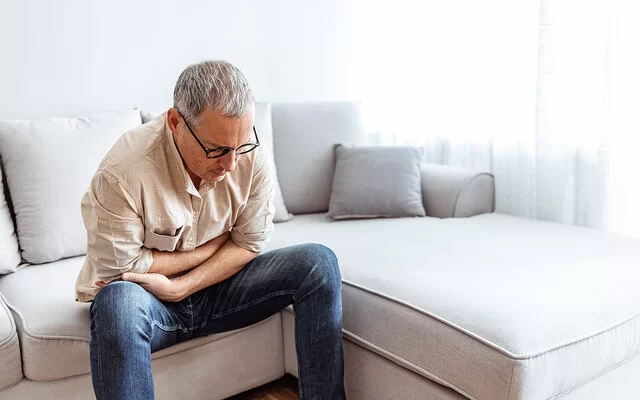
(223, 264)
(171, 263)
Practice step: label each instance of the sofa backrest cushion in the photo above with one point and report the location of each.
(265, 134)
(9, 253)
(304, 137)
(48, 164)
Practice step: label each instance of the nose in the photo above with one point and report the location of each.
(229, 161)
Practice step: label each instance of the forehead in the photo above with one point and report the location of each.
(217, 130)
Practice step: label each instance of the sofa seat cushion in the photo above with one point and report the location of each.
(11, 365)
(493, 306)
(54, 329)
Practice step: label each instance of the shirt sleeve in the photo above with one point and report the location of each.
(254, 225)
(115, 232)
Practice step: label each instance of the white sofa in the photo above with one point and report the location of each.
(464, 303)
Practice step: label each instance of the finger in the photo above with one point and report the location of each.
(134, 277)
(101, 284)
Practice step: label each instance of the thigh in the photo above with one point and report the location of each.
(124, 310)
(263, 287)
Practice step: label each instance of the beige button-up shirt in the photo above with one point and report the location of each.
(142, 198)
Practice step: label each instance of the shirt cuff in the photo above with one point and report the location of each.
(252, 242)
(144, 261)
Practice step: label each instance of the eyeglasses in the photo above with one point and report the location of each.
(224, 150)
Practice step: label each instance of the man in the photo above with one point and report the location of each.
(177, 216)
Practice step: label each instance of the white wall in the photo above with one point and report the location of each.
(460, 69)
(72, 57)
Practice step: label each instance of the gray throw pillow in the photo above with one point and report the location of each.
(372, 182)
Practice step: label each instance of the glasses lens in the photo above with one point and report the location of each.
(245, 148)
(217, 153)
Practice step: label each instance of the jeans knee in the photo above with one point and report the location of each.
(119, 296)
(118, 307)
(325, 269)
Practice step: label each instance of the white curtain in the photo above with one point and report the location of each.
(543, 93)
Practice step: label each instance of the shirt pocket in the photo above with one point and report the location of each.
(163, 238)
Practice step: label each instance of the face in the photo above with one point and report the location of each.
(214, 130)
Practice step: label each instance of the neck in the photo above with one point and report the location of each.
(195, 179)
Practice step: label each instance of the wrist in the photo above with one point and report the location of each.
(182, 287)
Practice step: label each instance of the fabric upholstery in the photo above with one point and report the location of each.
(372, 182)
(212, 369)
(11, 365)
(304, 137)
(54, 328)
(456, 192)
(493, 306)
(59, 156)
(620, 383)
(265, 134)
(369, 375)
(9, 252)
(148, 116)
(288, 337)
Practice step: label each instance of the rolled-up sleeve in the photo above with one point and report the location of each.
(115, 232)
(254, 225)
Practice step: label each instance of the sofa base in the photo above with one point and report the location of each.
(239, 362)
(370, 376)
(621, 383)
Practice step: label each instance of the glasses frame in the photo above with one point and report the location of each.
(225, 149)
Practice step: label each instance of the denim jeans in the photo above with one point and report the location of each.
(128, 323)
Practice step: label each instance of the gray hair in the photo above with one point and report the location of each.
(217, 84)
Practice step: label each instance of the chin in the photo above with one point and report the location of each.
(215, 177)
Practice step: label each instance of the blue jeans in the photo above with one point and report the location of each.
(128, 323)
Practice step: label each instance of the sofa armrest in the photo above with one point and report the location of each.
(456, 192)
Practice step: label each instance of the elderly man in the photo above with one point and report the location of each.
(177, 216)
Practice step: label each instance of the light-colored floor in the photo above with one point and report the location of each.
(285, 388)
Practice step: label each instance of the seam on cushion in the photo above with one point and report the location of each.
(488, 342)
(403, 362)
(465, 186)
(14, 340)
(65, 337)
(7, 388)
(153, 355)
(14, 330)
(41, 336)
(613, 367)
(513, 366)
(394, 358)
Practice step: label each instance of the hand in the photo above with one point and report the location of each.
(158, 285)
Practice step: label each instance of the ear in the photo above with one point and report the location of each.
(173, 119)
